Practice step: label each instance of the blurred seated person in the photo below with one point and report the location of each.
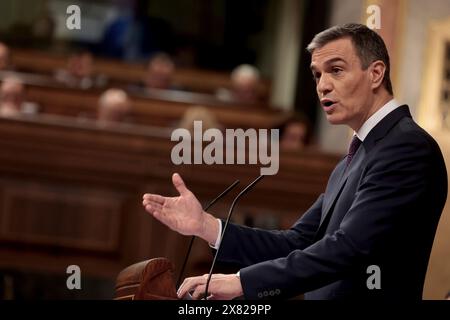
(113, 106)
(79, 72)
(12, 99)
(5, 63)
(245, 81)
(294, 133)
(160, 71)
(199, 113)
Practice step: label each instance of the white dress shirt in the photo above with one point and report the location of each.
(376, 118)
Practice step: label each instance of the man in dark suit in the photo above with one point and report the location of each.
(370, 234)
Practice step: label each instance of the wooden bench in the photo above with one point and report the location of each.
(196, 80)
(160, 108)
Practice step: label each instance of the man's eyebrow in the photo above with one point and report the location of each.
(332, 60)
(337, 59)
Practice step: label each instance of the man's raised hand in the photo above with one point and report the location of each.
(183, 214)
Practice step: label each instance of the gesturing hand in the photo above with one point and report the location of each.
(221, 287)
(183, 214)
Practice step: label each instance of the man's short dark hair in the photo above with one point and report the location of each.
(369, 46)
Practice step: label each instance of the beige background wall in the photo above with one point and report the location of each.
(437, 33)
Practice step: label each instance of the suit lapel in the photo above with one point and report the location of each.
(356, 162)
(378, 132)
(384, 126)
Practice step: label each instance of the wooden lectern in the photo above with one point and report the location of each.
(147, 280)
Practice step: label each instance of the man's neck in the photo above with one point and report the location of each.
(377, 104)
(375, 118)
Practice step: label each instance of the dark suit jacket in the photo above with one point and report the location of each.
(382, 210)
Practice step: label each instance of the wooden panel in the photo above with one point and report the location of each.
(60, 216)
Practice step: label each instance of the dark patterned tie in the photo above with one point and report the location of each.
(352, 149)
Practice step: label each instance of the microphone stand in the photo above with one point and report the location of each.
(230, 212)
(193, 237)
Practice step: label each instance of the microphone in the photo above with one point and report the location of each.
(230, 212)
(234, 184)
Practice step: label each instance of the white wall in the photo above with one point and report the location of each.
(287, 54)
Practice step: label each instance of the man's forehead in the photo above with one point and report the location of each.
(337, 50)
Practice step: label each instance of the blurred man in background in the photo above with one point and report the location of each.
(160, 72)
(199, 113)
(79, 72)
(113, 106)
(5, 62)
(293, 134)
(12, 97)
(245, 81)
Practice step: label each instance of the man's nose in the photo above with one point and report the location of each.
(324, 85)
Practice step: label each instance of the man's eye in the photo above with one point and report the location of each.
(336, 70)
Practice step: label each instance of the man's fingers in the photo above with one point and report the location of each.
(197, 286)
(153, 197)
(179, 184)
(199, 292)
(183, 289)
(189, 284)
(151, 207)
(152, 203)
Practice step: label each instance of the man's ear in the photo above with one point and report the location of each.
(377, 70)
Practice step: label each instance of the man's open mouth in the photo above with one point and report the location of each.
(326, 103)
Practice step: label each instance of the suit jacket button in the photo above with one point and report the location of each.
(265, 293)
(277, 291)
(272, 293)
(260, 295)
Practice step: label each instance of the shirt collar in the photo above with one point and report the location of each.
(376, 118)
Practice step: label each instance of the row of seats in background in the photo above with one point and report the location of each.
(158, 94)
